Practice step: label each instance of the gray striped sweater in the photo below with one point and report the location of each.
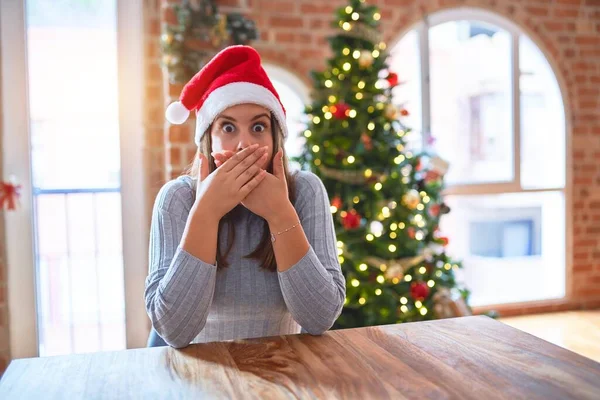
(190, 301)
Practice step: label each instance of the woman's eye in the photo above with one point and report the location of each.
(228, 128)
(259, 128)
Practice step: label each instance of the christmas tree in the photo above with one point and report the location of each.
(386, 201)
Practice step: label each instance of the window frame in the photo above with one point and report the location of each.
(290, 79)
(465, 13)
(21, 281)
(283, 75)
(513, 186)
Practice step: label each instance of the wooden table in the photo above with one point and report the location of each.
(472, 357)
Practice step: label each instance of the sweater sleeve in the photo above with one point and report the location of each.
(314, 289)
(179, 287)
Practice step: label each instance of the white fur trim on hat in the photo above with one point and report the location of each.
(233, 94)
(177, 113)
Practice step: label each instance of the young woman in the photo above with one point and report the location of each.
(240, 247)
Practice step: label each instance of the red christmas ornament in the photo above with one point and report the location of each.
(411, 232)
(336, 202)
(443, 240)
(367, 141)
(340, 110)
(351, 220)
(9, 195)
(419, 291)
(404, 112)
(419, 164)
(392, 79)
(434, 210)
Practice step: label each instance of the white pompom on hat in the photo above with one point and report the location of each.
(234, 76)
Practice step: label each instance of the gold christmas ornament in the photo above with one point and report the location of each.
(366, 59)
(411, 199)
(391, 111)
(395, 271)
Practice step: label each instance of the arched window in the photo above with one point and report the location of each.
(484, 97)
(294, 96)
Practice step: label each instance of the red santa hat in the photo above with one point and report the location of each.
(234, 76)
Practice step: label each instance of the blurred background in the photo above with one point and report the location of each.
(506, 92)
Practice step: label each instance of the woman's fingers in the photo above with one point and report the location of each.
(239, 157)
(254, 182)
(250, 172)
(221, 157)
(248, 161)
(203, 170)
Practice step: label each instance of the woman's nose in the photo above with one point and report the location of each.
(246, 140)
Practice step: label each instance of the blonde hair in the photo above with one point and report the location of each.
(264, 250)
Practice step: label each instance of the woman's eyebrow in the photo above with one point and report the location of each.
(227, 117)
(253, 119)
(260, 116)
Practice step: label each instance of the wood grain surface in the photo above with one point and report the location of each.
(578, 331)
(470, 357)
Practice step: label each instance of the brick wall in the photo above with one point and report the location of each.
(155, 141)
(293, 35)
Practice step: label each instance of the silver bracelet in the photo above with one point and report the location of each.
(288, 229)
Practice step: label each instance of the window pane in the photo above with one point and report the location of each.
(294, 107)
(73, 93)
(405, 61)
(542, 121)
(512, 245)
(471, 113)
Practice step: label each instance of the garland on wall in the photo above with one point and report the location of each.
(200, 30)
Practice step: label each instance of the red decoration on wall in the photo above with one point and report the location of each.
(9, 195)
